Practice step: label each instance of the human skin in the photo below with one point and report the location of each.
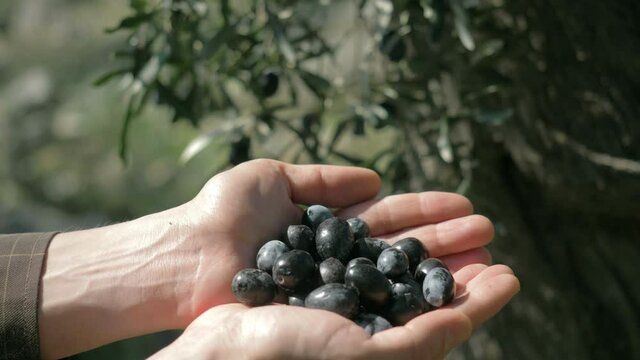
(174, 268)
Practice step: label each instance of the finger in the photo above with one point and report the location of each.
(396, 212)
(428, 336)
(333, 186)
(486, 294)
(449, 237)
(434, 334)
(491, 272)
(467, 273)
(456, 262)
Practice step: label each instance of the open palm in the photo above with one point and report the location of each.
(243, 208)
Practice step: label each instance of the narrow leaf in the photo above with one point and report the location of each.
(213, 45)
(131, 21)
(494, 117)
(444, 142)
(103, 79)
(461, 22)
(319, 85)
(202, 141)
(124, 132)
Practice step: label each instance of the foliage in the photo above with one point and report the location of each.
(277, 72)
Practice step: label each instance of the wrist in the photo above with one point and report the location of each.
(105, 284)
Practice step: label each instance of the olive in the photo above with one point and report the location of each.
(253, 287)
(314, 215)
(301, 237)
(338, 298)
(297, 299)
(269, 253)
(360, 260)
(268, 83)
(369, 248)
(240, 150)
(372, 285)
(393, 262)
(359, 228)
(438, 287)
(332, 271)
(405, 304)
(414, 250)
(372, 323)
(423, 268)
(393, 46)
(293, 270)
(334, 239)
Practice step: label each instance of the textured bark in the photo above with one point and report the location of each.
(562, 182)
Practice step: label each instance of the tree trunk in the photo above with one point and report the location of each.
(561, 181)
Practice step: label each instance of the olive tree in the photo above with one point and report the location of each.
(528, 107)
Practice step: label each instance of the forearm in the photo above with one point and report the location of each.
(114, 282)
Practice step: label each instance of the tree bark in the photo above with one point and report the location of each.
(561, 180)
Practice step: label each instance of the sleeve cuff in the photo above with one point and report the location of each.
(21, 261)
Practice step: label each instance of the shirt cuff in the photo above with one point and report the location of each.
(21, 260)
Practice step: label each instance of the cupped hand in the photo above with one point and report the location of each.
(241, 209)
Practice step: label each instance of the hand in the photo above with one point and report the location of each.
(443, 222)
(163, 270)
(243, 208)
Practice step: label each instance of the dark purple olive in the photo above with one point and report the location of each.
(372, 323)
(268, 83)
(438, 287)
(404, 278)
(373, 286)
(293, 270)
(314, 215)
(332, 271)
(405, 304)
(253, 287)
(334, 239)
(338, 298)
(359, 228)
(360, 260)
(297, 299)
(269, 253)
(369, 248)
(423, 268)
(416, 287)
(414, 249)
(301, 237)
(393, 262)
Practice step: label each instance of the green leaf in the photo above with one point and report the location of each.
(461, 22)
(150, 70)
(138, 5)
(427, 10)
(124, 132)
(132, 21)
(134, 109)
(213, 45)
(286, 50)
(199, 143)
(494, 117)
(373, 160)
(337, 134)
(319, 85)
(103, 79)
(444, 142)
(348, 158)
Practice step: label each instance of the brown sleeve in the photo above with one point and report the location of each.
(21, 259)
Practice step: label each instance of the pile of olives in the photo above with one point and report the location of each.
(332, 264)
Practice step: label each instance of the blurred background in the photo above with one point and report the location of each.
(110, 110)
